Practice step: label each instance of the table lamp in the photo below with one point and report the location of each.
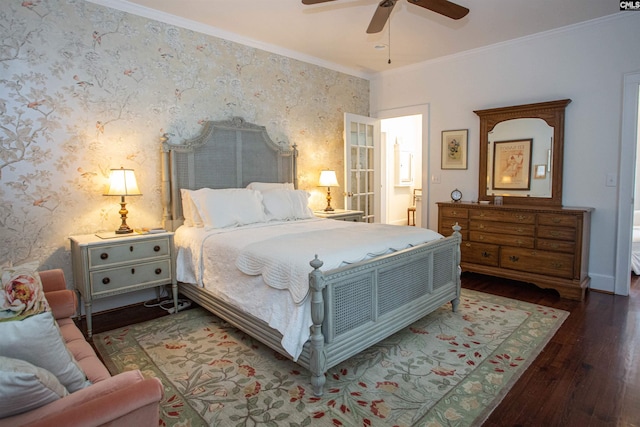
(328, 179)
(122, 182)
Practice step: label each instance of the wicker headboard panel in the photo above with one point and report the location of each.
(226, 154)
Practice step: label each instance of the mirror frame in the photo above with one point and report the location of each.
(551, 112)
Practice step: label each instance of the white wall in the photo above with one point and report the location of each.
(585, 63)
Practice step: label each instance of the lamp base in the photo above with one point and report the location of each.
(124, 228)
(329, 209)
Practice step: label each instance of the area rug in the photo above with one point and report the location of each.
(445, 369)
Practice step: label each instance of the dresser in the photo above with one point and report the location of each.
(107, 266)
(546, 246)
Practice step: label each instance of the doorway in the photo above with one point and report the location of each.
(405, 132)
(627, 181)
(402, 147)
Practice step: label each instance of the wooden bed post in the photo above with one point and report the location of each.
(456, 232)
(317, 356)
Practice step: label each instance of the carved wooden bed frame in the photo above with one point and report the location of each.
(352, 307)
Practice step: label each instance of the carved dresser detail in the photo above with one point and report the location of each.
(546, 246)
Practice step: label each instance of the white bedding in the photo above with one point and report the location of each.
(213, 258)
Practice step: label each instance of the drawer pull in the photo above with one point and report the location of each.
(106, 281)
(556, 220)
(521, 217)
(520, 230)
(481, 238)
(481, 226)
(130, 248)
(104, 255)
(486, 254)
(514, 258)
(554, 233)
(468, 245)
(158, 270)
(133, 271)
(156, 248)
(556, 265)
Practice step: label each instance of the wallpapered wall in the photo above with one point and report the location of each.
(84, 88)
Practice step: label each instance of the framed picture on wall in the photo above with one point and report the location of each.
(454, 149)
(512, 164)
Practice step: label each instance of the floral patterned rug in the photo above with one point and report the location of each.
(445, 369)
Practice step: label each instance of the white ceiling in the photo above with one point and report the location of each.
(333, 34)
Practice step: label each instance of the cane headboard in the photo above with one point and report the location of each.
(226, 154)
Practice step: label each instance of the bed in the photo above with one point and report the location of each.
(317, 307)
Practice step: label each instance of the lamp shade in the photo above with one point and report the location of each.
(328, 179)
(122, 182)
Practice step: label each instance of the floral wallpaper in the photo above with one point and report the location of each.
(85, 88)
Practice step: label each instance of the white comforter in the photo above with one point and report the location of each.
(264, 268)
(283, 261)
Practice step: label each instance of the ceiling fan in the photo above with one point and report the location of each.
(382, 13)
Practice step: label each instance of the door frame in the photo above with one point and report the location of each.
(626, 181)
(412, 110)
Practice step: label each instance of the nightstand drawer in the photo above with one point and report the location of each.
(138, 250)
(122, 279)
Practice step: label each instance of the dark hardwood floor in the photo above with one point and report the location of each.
(588, 374)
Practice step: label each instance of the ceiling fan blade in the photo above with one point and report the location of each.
(443, 7)
(315, 1)
(381, 15)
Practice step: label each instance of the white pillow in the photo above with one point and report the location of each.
(189, 211)
(229, 207)
(265, 186)
(37, 340)
(286, 205)
(24, 387)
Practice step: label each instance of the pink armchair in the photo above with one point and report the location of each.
(126, 399)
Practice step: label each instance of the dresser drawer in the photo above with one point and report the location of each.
(503, 228)
(479, 253)
(556, 245)
(502, 239)
(546, 232)
(113, 280)
(454, 212)
(558, 220)
(539, 262)
(139, 250)
(503, 216)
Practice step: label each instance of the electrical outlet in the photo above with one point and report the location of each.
(435, 179)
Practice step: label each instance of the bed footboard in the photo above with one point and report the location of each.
(356, 306)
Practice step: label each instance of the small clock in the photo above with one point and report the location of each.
(456, 195)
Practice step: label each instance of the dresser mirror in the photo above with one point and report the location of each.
(521, 153)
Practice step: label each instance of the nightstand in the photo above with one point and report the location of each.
(341, 215)
(117, 263)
